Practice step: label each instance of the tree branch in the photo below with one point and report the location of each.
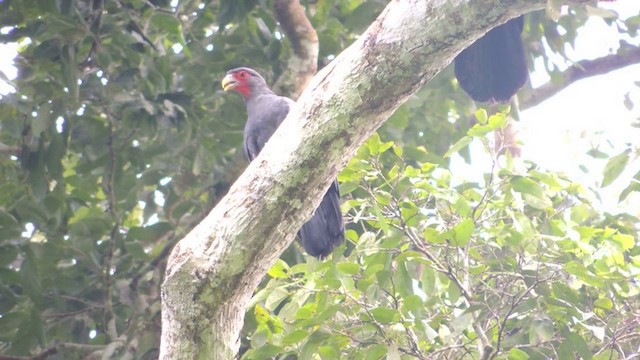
(303, 63)
(212, 272)
(582, 69)
(44, 354)
(10, 150)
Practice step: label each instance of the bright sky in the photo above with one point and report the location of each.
(557, 133)
(589, 114)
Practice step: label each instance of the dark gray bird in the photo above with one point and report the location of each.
(265, 111)
(494, 67)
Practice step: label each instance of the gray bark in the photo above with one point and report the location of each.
(303, 63)
(212, 272)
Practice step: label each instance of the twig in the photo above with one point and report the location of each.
(109, 317)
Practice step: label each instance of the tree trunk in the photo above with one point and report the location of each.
(212, 272)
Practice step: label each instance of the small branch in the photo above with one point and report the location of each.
(483, 200)
(109, 317)
(581, 70)
(515, 301)
(43, 355)
(487, 349)
(81, 347)
(10, 150)
(303, 63)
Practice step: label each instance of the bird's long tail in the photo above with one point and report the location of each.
(325, 230)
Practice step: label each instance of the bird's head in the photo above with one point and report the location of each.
(245, 81)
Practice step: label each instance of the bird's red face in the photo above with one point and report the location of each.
(238, 80)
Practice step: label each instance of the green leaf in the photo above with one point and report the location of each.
(294, 337)
(517, 354)
(8, 254)
(280, 270)
(9, 226)
(328, 352)
(135, 249)
(481, 116)
(462, 232)
(624, 240)
(167, 23)
(375, 352)
(614, 167)
(433, 236)
(261, 315)
(13, 320)
(464, 141)
(381, 219)
(604, 303)
(479, 131)
(149, 233)
(275, 297)
(373, 269)
(266, 351)
(385, 315)
(348, 268)
(540, 331)
(260, 337)
(525, 185)
(373, 144)
(30, 276)
(498, 120)
(413, 302)
(580, 345)
(634, 186)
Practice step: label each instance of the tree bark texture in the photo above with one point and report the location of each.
(303, 63)
(212, 272)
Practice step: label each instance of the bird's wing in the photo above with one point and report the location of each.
(264, 117)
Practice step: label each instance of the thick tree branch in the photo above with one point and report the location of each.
(581, 70)
(303, 63)
(212, 272)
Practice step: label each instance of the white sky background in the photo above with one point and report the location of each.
(556, 134)
(589, 114)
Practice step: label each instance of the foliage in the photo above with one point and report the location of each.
(117, 140)
(436, 267)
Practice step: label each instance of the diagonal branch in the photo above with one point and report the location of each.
(580, 70)
(303, 63)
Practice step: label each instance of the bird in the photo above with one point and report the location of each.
(324, 231)
(494, 67)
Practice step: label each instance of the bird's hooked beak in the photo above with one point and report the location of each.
(229, 82)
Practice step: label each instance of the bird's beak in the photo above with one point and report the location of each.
(228, 82)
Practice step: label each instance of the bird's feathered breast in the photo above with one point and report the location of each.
(265, 113)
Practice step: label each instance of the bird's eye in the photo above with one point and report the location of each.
(243, 74)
